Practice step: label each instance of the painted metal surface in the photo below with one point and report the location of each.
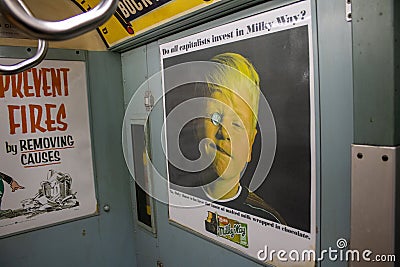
(376, 56)
(135, 73)
(336, 122)
(373, 203)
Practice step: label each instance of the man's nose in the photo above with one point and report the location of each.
(222, 133)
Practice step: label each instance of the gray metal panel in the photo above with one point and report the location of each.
(314, 21)
(107, 239)
(106, 101)
(25, 52)
(373, 201)
(135, 73)
(397, 211)
(375, 96)
(336, 109)
(156, 121)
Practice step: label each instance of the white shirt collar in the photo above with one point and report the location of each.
(225, 200)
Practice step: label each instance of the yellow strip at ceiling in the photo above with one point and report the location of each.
(113, 31)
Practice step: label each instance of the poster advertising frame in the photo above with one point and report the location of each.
(47, 161)
(282, 37)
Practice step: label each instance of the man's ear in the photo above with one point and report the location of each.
(251, 142)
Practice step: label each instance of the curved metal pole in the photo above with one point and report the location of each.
(30, 62)
(14, 11)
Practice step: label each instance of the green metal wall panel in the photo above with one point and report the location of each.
(336, 109)
(376, 97)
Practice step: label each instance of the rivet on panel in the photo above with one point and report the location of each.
(106, 208)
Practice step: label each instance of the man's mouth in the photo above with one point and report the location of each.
(220, 149)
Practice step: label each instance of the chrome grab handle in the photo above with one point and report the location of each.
(65, 29)
(30, 62)
(17, 13)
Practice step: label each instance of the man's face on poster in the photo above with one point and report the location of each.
(229, 132)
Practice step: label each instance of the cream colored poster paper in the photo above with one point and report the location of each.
(46, 166)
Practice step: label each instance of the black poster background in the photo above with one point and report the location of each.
(282, 62)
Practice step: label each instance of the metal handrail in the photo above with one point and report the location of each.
(17, 13)
(30, 62)
(65, 29)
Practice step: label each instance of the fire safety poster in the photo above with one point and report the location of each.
(46, 168)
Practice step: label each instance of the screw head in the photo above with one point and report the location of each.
(106, 208)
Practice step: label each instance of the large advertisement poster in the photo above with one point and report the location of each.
(46, 168)
(240, 131)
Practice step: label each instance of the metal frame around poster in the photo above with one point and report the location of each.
(147, 169)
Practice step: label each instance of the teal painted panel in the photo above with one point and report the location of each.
(317, 97)
(26, 52)
(106, 100)
(106, 239)
(336, 122)
(134, 74)
(375, 95)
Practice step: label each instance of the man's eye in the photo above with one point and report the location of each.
(216, 118)
(237, 124)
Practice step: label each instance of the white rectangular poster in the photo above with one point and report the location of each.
(240, 132)
(46, 168)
